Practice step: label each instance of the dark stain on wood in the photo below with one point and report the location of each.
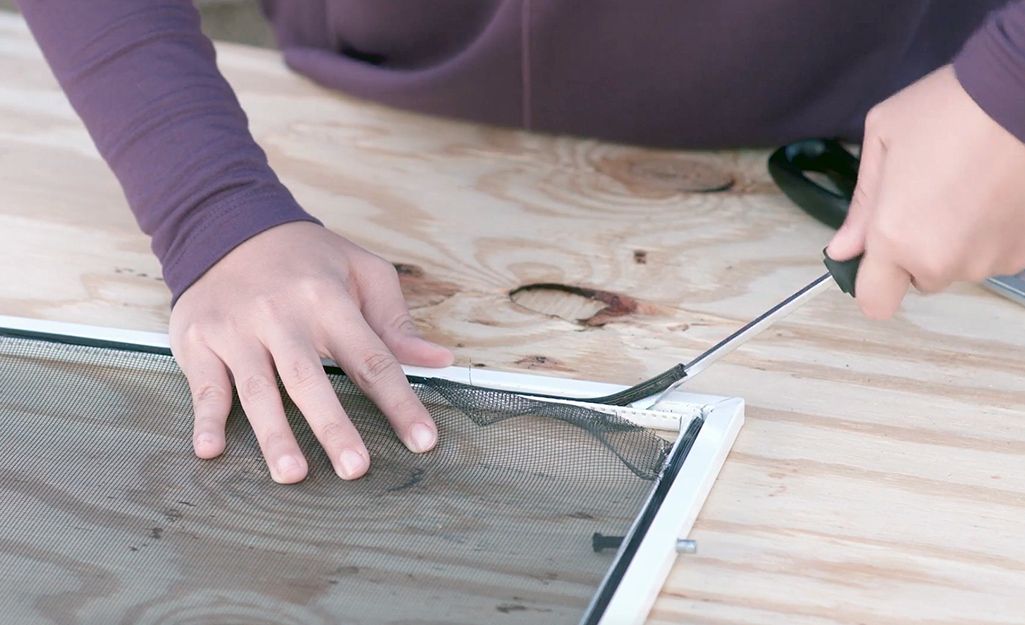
(409, 270)
(640, 257)
(509, 608)
(506, 608)
(661, 175)
(420, 289)
(415, 477)
(542, 362)
(128, 271)
(617, 305)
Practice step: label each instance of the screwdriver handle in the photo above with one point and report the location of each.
(844, 272)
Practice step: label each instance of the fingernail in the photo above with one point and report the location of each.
(352, 463)
(422, 437)
(288, 466)
(205, 439)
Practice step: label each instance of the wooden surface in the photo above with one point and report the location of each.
(880, 475)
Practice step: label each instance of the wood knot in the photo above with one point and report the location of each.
(584, 305)
(421, 290)
(662, 175)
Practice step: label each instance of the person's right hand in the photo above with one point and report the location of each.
(940, 196)
(281, 301)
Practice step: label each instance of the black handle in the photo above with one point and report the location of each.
(789, 165)
(845, 272)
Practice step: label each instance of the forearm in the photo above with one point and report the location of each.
(143, 78)
(991, 67)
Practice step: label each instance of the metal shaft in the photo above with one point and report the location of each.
(741, 336)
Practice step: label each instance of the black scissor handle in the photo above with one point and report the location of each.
(789, 165)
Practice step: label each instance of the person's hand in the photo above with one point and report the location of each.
(940, 196)
(282, 301)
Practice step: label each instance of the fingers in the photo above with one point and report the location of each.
(208, 379)
(386, 313)
(366, 360)
(849, 240)
(304, 378)
(881, 283)
(211, 399)
(258, 393)
(273, 307)
(359, 351)
(881, 286)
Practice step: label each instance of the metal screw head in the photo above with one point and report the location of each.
(684, 545)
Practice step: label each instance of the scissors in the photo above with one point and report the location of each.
(829, 162)
(797, 169)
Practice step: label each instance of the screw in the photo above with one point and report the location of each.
(600, 542)
(684, 545)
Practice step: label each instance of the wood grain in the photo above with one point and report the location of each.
(880, 476)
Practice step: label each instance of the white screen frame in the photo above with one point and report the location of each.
(651, 550)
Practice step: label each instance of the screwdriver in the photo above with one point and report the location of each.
(843, 273)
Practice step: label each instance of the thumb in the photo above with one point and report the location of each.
(849, 240)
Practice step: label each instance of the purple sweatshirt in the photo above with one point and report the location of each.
(671, 73)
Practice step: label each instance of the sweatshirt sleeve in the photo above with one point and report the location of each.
(991, 67)
(143, 78)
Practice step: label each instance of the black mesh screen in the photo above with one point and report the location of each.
(108, 517)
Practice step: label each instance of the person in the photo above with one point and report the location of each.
(933, 89)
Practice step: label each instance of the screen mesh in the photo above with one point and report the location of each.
(108, 517)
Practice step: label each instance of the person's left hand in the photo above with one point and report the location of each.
(940, 196)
